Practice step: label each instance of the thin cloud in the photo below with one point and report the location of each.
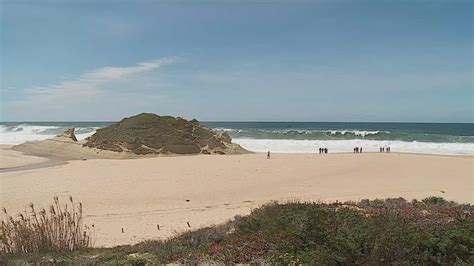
(113, 73)
(94, 82)
(107, 87)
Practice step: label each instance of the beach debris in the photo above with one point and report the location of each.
(188, 224)
(187, 200)
(442, 191)
(158, 226)
(123, 231)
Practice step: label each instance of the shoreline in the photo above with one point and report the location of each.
(10, 146)
(34, 161)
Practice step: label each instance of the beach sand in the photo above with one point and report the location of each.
(11, 158)
(138, 194)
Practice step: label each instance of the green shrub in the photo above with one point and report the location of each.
(378, 232)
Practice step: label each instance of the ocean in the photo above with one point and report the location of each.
(295, 137)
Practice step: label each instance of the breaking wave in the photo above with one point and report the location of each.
(444, 139)
(340, 146)
(17, 134)
(343, 134)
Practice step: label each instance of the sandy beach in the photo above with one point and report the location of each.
(10, 158)
(139, 194)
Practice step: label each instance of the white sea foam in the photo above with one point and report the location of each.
(338, 146)
(18, 134)
(221, 129)
(361, 133)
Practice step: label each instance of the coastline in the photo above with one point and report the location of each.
(138, 194)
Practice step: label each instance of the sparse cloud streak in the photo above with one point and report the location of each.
(92, 82)
(110, 87)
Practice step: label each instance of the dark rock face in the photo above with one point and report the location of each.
(182, 149)
(153, 134)
(67, 135)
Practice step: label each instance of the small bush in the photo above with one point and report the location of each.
(433, 200)
(58, 229)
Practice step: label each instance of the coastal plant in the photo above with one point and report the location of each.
(60, 228)
(369, 232)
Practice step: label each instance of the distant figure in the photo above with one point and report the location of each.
(355, 150)
(268, 155)
(380, 149)
(360, 150)
(388, 149)
(326, 150)
(319, 150)
(383, 149)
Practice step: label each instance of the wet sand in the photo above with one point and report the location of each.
(138, 194)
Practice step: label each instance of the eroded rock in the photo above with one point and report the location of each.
(152, 134)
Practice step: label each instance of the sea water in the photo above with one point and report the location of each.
(295, 137)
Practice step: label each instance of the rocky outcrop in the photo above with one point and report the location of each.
(147, 133)
(65, 146)
(66, 136)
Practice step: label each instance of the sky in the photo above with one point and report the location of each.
(84, 60)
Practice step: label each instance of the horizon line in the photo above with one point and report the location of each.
(240, 121)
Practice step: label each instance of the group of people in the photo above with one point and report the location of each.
(323, 150)
(356, 150)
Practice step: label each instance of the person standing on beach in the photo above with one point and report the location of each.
(360, 150)
(325, 150)
(268, 155)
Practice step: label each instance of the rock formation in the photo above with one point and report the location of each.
(147, 133)
(66, 136)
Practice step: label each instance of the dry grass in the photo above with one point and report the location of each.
(58, 229)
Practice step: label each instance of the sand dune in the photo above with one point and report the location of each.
(138, 194)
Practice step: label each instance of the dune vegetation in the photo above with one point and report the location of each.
(60, 228)
(369, 232)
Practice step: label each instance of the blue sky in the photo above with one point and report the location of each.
(407, 61)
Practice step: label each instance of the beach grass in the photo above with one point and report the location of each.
(60, 228)
(370, 232)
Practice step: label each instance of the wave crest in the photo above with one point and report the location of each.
(21, 133)
(341, 146)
